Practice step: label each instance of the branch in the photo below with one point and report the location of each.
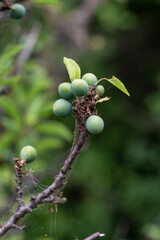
(73, 28)
(84, 107)
(30, 43)
(95, 235)
(44, 196)
(19, 179)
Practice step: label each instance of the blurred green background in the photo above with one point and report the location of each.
(115, 184)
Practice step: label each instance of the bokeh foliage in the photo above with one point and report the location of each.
(114, 186)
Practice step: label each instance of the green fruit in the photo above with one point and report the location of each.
(90, 78)
(18, 11)
(100, 90)
(79, 87)
(94, 124)
(64, 90)
(28, 153)
(62, 108)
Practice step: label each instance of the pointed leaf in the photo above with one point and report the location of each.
(46, 2)
(10, 80)
(103, 99)
(48, 143)
(73, 68)
(11, 51)
(11, 109)
(7, 56)
(117, 83)
(55, 128)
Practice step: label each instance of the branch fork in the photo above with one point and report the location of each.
(85, 106)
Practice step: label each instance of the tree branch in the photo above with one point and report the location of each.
(95, 235)
(45, 196)
(72, 29)
(19, 179)
(84, 107)
(30, 42)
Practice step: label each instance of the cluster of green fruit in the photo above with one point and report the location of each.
(79, 88)
(17, 11)
(62, 108)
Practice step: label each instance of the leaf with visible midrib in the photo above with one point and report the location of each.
(73, 68)
(46, 2)
(117, 83)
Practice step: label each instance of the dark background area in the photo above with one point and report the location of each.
(115, 184)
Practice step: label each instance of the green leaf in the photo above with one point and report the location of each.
(46, 2)
(7, 139)
(117, 83)
(73, 68)
(10, 124)
(11, 51)
(48, 144)
(55, 128)
(10, 108)
(103, 99)
(6, 58)
(10, 80)
(34, 108)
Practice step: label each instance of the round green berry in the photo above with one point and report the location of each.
(28, 153)
(18, 11)
(94, 124)
(62, 108)
(64, 90)
(79, 87)
(90, 78)
(100, 90)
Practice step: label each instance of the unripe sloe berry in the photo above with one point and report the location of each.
(28, 153)
(64, 90)
(18, 11)
(79, 87)
(62, 108)
(90, 78)
(94, 124)
(100, 90)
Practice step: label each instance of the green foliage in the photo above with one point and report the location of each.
(6, 65)
(117, 83)
(114, 16)
(46, 2)
(115, 183)
(55, 128)
(152, 231)
(103, 99)
(26, 108)
(73, 69)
